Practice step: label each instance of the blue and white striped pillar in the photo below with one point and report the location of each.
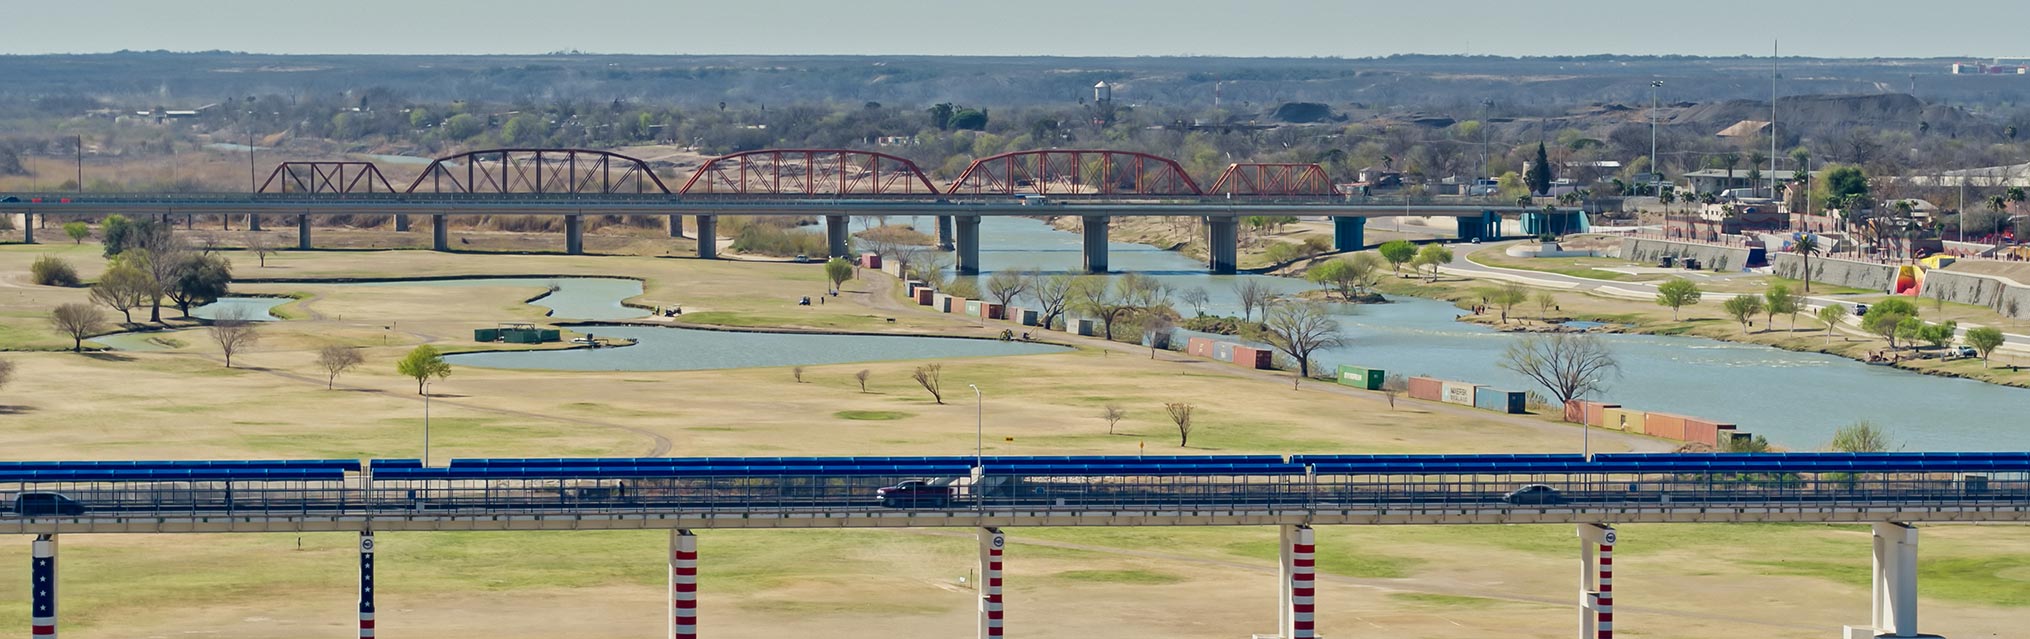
(366, 584)
(42, 588)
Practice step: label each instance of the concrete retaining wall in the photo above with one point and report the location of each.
(1648, 250)
(2006, 297)
(1838, 272)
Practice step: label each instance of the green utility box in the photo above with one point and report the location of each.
(485, 334)
(1357, 377)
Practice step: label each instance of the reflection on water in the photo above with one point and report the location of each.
(679, 349)
(1796, 399)
(259, 309)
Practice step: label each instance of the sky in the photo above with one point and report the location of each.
(1245, 28)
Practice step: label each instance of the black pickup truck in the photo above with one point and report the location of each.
(914, 493)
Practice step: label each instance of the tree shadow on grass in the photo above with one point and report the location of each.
(109, 356)
(16, 410)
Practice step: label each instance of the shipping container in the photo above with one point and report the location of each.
(1158, 341)
(1199, 346)
(972, 308)
(1500, 401)
(1081, 326)
(485, 334)
(958, 305)
(1619, 418)
(1457, 393)
(1023, 316)
(1664, 425)
(1705, 431)
(1426, 388)
(911, 286)
(992, 311)
(1357, 377)
(1585, 411)
(870, 260)
(925, 296)
(1255, 358)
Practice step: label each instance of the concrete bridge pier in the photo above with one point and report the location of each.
(302, 231)
(253, 221)
(944, 232)
(401, 223)
(1297, 604)
(991, 544)
(1349, 233)
(27, 228)
(366, 584)
(1222, 244)
(708, 237)
(969, 244)
(683, 585)
(1485, 226)
(1095, 248)
(1895, 585)
(574, 234)
(676, 226)
(837, 235)
(42, 588)
(440, 232)
(1596, 581)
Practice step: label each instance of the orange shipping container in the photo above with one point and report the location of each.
(993, 311)
(1664, 425)
(1255, 358)
(923, 295)
(1426, 388)
(1199, 346)
(1580, 410)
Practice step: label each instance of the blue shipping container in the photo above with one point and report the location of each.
(1223, 351)
(1499, 401)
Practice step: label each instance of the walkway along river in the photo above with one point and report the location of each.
(1795, 399)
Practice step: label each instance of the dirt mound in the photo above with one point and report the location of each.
(1823, 112)
(1305, 113)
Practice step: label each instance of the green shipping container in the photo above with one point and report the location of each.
(1357, 377)
(485, 334)
(549, 335)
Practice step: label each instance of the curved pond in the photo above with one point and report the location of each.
(583, 298)
(1795, 399)
(259, 309)
(678, 349)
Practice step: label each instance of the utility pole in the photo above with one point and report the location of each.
(1485, 105)
(81, 164)
(1655, 172)
(1773, 44)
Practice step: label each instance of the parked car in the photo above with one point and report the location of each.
(802, 258)
(47, 504)
(914, 493)
(1962, 352)
(1860, 309)
(1534, 494)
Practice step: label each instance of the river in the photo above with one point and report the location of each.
(1796, 400)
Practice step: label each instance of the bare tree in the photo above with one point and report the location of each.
(166, 257)
(258, 243)
(1005, 286)
(6, 372)
(798, 373)
(1092, 296)
(123, 287)
(233, 332)
(335, 359)
(1113, 413)
(1393, 387)
(1567, 364)
(928, 376)
(1253, 295)
(862, 378)
(1300, 329)
(1052, 293)
(1180, 414)
(1196, 297)
(78, 321)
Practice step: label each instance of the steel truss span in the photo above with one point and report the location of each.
(341, 178)
(1274, 180)
(568, 171)
(1093, 172)
(809, 172)
(821, 492)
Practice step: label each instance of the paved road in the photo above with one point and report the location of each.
(1463, 267)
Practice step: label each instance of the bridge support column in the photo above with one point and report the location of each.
(708, 237)
(440, 232)
(401, 222)
(1470, 228)
(42, 588)
(683, 585)
(574, 235)
(676, 226)
(944, 232)
(1535, 223)
(1296, 614)
(27, 228)
(253, 221)
(1349, 233)
(366, 584)
(969, 244)
(302, 231)
(991, 544)
(1095, 247)
(1596, 581)
(837, 235)
(1222, 244)
(1895, 584)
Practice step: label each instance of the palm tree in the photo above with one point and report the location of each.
(1755, 161)
(1807, 246)
(1730, 159)
(1998, 204)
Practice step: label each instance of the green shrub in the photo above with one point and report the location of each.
(52, 271)
(777, 241)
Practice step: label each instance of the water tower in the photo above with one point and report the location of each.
(1103, 104)
(1103, 93)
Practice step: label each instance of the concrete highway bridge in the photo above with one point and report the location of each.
(835, 184)
(1889, 491)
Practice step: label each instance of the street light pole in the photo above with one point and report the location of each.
(1655, 173)
(979, 439)
(426, 424)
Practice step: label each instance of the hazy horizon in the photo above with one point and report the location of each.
(1066, 28)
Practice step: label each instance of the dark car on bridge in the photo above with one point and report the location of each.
(46, 504)
(915, 493)
(1534, 494)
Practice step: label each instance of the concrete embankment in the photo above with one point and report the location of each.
(1650, 250)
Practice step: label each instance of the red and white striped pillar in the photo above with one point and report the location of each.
(1596, 581)
(366, 584)
(991, 544)
(1303, 584)
(683, 585)
(42, 588)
